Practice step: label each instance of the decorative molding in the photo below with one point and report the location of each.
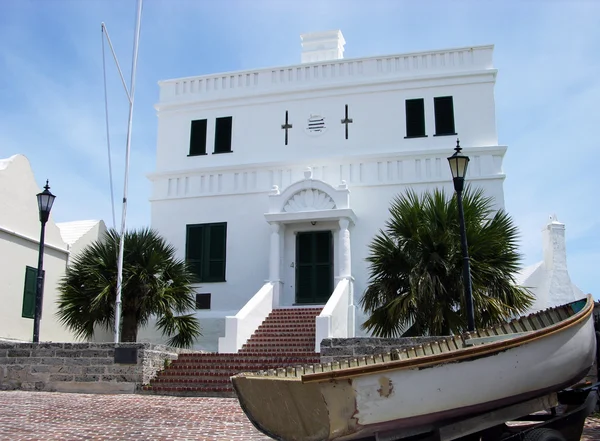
(334, 174)
(329, 73)
(309, 200)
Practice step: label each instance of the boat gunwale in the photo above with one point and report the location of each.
(456, 355)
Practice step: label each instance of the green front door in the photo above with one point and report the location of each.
(314, 267)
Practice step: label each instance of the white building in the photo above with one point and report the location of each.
(79, 234)
(19, 250)
(272, 176)
(549, 279)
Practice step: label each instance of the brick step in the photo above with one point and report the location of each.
(291, 319)
(316, 310)
(256, 365)
(279, 343)
(287, 326)
(291, 357)
(305, 317)
(178, 391)
(252, 367)
(266, 337)
(271, 350)
(283, 334)
(275, 337)
(213, 355)
(192, 381)
(211, 372)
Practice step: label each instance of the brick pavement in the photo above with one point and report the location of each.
(61, 416)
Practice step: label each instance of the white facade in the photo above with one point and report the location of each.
(79, 234)
(549, 279)
(19, 244)
(19, 248)
(337, 180)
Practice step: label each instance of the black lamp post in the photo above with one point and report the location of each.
(458, 166)
(45, 200)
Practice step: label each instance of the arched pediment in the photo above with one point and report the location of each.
(310, 199)
(309, 194)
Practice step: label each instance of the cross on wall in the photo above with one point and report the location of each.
(347, 121)
(286, 127)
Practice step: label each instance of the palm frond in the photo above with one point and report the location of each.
(415, 266)
(155, 283)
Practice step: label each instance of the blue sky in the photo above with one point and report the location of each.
(547, 91)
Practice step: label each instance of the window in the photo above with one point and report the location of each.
(198, 138)
(223, 135)
(29, 293)
(202, 301)
(444, 116)
(415, 118)
(205, 251)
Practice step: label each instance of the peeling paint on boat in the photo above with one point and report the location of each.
(385, 387)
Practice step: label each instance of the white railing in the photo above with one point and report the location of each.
(337, 318)
(240, 327)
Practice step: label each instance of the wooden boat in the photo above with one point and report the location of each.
(451, 378)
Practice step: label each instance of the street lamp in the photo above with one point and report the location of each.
(45, 200)
(458, 166)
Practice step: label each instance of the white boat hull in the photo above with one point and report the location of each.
(360, 401)
(426, 395)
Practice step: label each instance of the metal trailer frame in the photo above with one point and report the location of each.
(564, 412)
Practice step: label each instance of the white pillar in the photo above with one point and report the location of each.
(275, 256)
(345, 260)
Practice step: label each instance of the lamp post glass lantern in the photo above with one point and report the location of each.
(458, 166)
(45, 200)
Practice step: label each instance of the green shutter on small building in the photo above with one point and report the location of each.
(29, 293)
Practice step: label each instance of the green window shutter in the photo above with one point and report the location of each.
(29, 293)
(193, 249)
(444, 115)
(415, 118)
(223, 128)
(205, 251)
(198, 138)
(216, 238)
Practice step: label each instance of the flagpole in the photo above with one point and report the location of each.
(136, 39)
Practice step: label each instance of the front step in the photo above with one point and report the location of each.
(285, 338)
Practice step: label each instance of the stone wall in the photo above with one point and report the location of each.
(79, 367)
(333, 349)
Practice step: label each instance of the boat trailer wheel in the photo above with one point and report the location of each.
(543, 434)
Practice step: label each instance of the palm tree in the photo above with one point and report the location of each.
(416, 283)
(155, 283)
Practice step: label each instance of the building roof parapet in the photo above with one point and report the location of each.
(331, 72)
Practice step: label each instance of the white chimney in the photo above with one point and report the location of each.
(554, 246)
(560, 289)
(322, 46)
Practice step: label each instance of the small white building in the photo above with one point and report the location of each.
(19, 250)
(272, 182)
(549, 279)
(79, 234)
